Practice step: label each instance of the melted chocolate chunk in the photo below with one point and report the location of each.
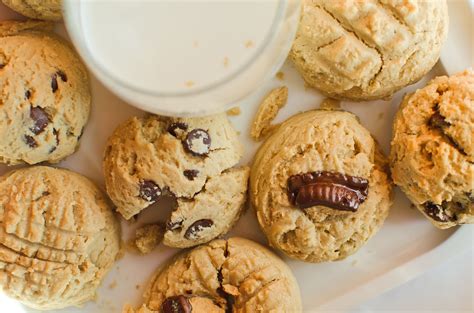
(174, 225)
(28, 94)
(40, 118)
(178, 128)
(436, 212)
(30, 141)
(149, 191)
(191, 174)
(334, 190)
(62, 75)
(176, 304)
(198, 142)
(193, 231)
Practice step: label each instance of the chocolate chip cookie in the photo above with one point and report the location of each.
(37, 9)
(45, 97)
(432, 156)
(189, 159)
(369, 49)
(235, 275)
(58, 237)
(320, 187)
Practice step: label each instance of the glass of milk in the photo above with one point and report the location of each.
(183, 57)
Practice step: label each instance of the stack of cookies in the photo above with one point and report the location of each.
(320, 185)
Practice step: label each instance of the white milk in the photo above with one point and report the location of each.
(182, 57)
(168, 46)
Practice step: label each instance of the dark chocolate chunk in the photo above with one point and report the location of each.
(27, 94)
(436, 212)
(193, 231)
(191, 174)
(334, 190)
(54, 82)
(198, 142)
(176, 129)
(176, 304)
(149, 191)
(174, 225)
(30, 141)
(62, 75)
(40, 118)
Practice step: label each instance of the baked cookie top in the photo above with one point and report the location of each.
(364, 50)
(432, 156)
(319, 186)
(45, 98)
(37, 9)
(58, 237)
(234, 275)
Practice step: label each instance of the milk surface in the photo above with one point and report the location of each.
(175, 46)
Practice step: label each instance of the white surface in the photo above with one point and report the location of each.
(168, 57)
(407, 245)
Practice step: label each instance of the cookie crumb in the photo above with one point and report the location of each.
(112, 285)
(148, 237)
(189, 83)
(249, 44)
(330, 104)
(280, 75)
(226, 62)
(267, 111)
(234, 111)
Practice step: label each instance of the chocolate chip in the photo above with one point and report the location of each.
(54, 82)
(334, 190)
(174, 225)
(40, 118)
(191, 174)
(198, 142)
(176, 304)
(149, 191)
(27, 94)
(62, 75)
(177, 129)
(436, 212)
(193, 231)
(30, 141)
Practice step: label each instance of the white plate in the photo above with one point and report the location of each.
(405, 247)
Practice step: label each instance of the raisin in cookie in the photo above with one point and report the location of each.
(364, 50)
(234, 275)
(432, 156)
(190, 159)
(319, 186)
(58, 237)
(45, 98)
(37, 9)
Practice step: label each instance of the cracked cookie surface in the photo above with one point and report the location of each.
(323, 159)
(58, 237)
(364, 50)
(190, 159)
(432, 155)
(234, 275)
(45, 98)
(37, 9)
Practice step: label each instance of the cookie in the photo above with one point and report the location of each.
(234, 275)
(319, 186)
(45, 98)
(189, 159)
(37, 9)
(432, 156)
(58, 237)
(364, 50)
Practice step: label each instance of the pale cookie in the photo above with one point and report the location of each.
(58, 237)
(148, 237)
(190, 159)
(319, 186)
(234, 275)
(432, 156)
(267, 111)
(37, 9)
(363, 50)
(45, 98)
